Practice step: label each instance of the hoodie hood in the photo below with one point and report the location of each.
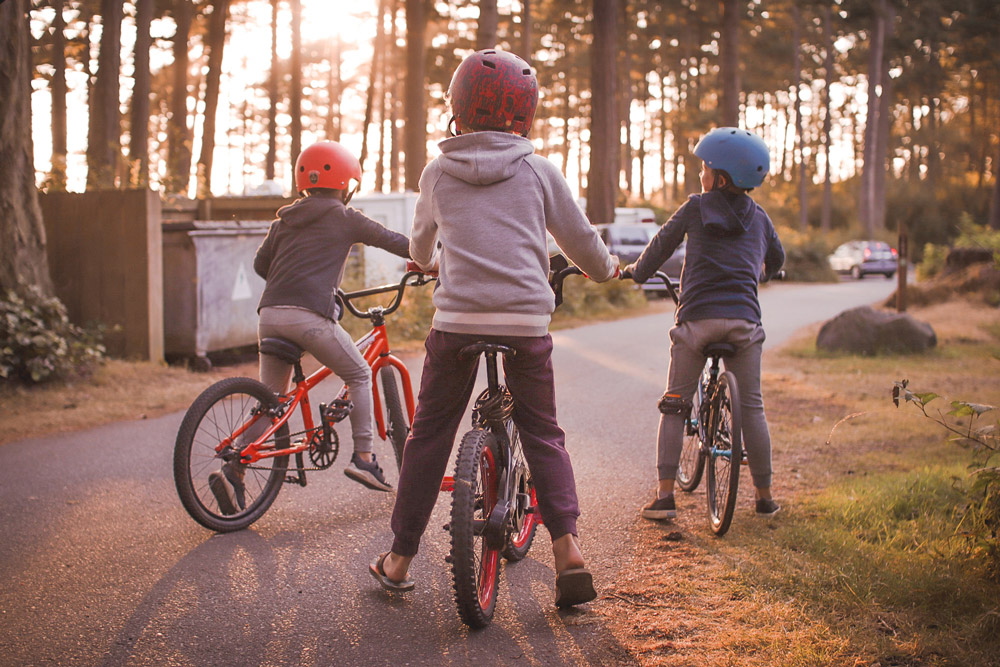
(482, 158)
(727, 215)
(307, 210)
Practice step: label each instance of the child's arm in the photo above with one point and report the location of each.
(377, 235)
(423, 235)
(262, 260)
(774, 257)
(662, 245)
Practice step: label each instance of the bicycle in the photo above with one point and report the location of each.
(494, 510)
(240, 420)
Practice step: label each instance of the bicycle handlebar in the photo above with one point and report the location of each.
(559, 268)
(345, 298)
(672, 286)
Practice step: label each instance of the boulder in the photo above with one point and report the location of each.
(868, 331)
(960, 258)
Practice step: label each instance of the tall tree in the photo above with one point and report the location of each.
(866, 201)
(139, 123)
(57, 179)
(800, 157)
(295, 98)
(486, 33)
(216, 45)
(104, 137)
(415, 112)
(827, 206)
(22, 236)
(729, 67)
(272, 97)
(178, 134)
(602, 181)
(526, 37)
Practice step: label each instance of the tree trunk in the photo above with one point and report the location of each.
(626, 97)
(882, 162)
(22, 235)
(334, 87)
(178, 135)
(486, 33)
(415, 111)
(825, 213)
(216, 45)
(295, 96)
(729, 66)
(372, 78)
(383, 96)
(104, 137)
(395, 69)
(602, 180)
(272, 97)
(138, 152)
(526, 36)
(876, 47)
(57, 177)
(800, 157)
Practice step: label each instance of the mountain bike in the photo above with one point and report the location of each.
(240, 421)
(494, 510)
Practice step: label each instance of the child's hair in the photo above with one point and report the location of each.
(741, 155)
(494, 90)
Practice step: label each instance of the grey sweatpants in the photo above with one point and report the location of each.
(686, 365)
(332, 346)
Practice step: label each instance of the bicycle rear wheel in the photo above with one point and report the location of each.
(725, 454)
(525, 513)
(476, 567)
(397, 426)
(214, 416)
(692, 461)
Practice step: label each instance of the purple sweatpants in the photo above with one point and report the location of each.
(445, 388)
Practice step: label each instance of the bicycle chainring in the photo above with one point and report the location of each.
(323, 448)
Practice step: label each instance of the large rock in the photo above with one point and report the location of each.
(868, 331)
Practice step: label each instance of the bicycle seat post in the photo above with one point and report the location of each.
(492, 372)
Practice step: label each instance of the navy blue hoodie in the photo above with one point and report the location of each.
(731, 242)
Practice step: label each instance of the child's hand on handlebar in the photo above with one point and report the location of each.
(416, 268)
(626, 273)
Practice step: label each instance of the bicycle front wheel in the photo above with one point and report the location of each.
(397, 426)
(725, 454)
(525, 514)
(214, 416)
(476, 566)
(692, 461)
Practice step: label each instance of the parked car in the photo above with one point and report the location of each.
(859, 258)
(628, 241)
(629, 215)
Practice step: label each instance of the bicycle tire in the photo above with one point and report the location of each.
(475, 566)
(526, 503)
(213, 416)
(397, 426)
(725, 455)
(692, 462)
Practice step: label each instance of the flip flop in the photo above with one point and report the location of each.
(388, 584)
(574, 587)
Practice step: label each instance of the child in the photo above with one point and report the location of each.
(729, 239)
(487, 201)
(302, 258)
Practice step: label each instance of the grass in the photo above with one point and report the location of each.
(867, 563)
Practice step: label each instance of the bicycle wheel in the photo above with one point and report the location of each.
(397, 426)
(214, 416)
(525, 511)
(725, 454)
(692, 461)
(476, 566)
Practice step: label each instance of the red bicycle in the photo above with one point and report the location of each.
(240, 420)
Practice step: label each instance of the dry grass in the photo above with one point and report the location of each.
(833, 580)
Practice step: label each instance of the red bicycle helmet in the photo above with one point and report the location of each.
(326, 164)
(494, 90)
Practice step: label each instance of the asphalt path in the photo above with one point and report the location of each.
(100, 565)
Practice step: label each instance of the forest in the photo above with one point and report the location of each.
(877, 112)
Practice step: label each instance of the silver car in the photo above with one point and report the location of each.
(859, 258)
(628, 240)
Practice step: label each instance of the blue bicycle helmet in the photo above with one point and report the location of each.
(741, 154)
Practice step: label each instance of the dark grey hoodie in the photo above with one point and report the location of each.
(488, 199)
(305, 251)
(730, 242)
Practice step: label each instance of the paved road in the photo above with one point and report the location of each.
(100, 565)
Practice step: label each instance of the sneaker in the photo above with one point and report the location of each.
(659, 509)
(767, 507)
(369, 474)
(217, 483)
(234, 472)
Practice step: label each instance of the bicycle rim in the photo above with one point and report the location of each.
(397, 426)
(526, 502)
(214, 416)
(726, 454)
(475, 566)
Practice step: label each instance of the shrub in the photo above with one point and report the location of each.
(970, 235)
(38, 342)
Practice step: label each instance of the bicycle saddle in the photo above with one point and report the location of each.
(719, 350)
(482, 346)
(281, 348)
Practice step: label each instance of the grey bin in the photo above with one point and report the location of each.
(210, 291)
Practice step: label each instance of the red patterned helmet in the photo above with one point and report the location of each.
(494, 90)
(326, 164)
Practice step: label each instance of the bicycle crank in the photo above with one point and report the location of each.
(495, 531)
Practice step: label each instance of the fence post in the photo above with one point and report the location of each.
(902, 265)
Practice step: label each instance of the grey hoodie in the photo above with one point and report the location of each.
(730, 242)
(487, 201)
(305, 251)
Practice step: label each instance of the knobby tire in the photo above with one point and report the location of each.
(692, 461)
(397, 425)
(726, 455)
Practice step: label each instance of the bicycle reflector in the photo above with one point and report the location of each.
(673, 404)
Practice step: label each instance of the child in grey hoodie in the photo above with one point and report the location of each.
(481, 219)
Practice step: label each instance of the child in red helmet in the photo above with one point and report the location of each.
(487, 203)
(302, 259)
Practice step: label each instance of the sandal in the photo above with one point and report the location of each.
(574, 586)
(388, 584)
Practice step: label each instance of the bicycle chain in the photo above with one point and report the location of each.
(289, 470)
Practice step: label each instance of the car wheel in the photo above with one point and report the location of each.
(889, 275)
(856, 273)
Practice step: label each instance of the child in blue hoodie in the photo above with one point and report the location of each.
(730, 240)
(481, 219)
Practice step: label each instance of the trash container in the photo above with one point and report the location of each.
(210, 291)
